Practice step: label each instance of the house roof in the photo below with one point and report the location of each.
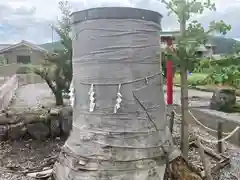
(202, 48)
(22, 43)
(3, 46)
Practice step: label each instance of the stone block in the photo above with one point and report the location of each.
(17, 131)
(223, 100)
(55, 128)
(66, 126)
(55, 111)
(38, 131)
(3, 132)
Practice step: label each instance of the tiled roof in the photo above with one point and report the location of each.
(25, 43)
(3, 46)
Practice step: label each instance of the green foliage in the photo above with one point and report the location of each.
(225, 71)
(228, 61)
(57, 69)
(236, 48)
(194, 34)
(226, 75)
(203, 66)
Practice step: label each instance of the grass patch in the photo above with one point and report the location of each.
(193, 79)
(196, 81)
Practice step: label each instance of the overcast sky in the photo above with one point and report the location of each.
(30, 19)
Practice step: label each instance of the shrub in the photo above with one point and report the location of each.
(203, 66)
(225, 62)
(226, 75)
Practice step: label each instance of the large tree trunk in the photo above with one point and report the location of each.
(59, 97)
(115, 59)
(55, 90)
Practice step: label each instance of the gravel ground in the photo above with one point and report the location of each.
(22, 156)
(231, 172)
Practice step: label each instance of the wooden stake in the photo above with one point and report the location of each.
(219, 129)
(204, 161)
(171, 122)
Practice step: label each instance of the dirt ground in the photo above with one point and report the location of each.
(24, 156)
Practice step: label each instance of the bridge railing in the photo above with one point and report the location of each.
(30, 78)
(7, 91)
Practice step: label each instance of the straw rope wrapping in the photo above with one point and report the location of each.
(111, 144)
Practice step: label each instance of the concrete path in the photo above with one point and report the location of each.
(33, 96)
(197, 98)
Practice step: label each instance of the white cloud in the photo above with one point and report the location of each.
(30, 19)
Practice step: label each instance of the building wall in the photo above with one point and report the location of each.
(9, 70)
(208, 53)
(37, 57)
(11, 66)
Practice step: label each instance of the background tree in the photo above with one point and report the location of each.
(57, 68)
(192, 34)
(236, 48)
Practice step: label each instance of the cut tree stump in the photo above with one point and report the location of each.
(223, 100)
(181, 170)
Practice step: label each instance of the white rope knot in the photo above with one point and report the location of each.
(118, 100)
(91, 94)
(146, 80)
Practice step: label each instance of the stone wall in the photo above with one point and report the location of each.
(38, 125)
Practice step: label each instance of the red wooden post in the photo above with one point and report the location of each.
(169, 67)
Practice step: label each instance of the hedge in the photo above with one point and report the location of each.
(226, 62)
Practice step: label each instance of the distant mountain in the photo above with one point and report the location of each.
(53, 46)
(223, 45)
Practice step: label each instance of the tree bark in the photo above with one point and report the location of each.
(184, 112)
(56, 91)
(184, 94)
(58, 97)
